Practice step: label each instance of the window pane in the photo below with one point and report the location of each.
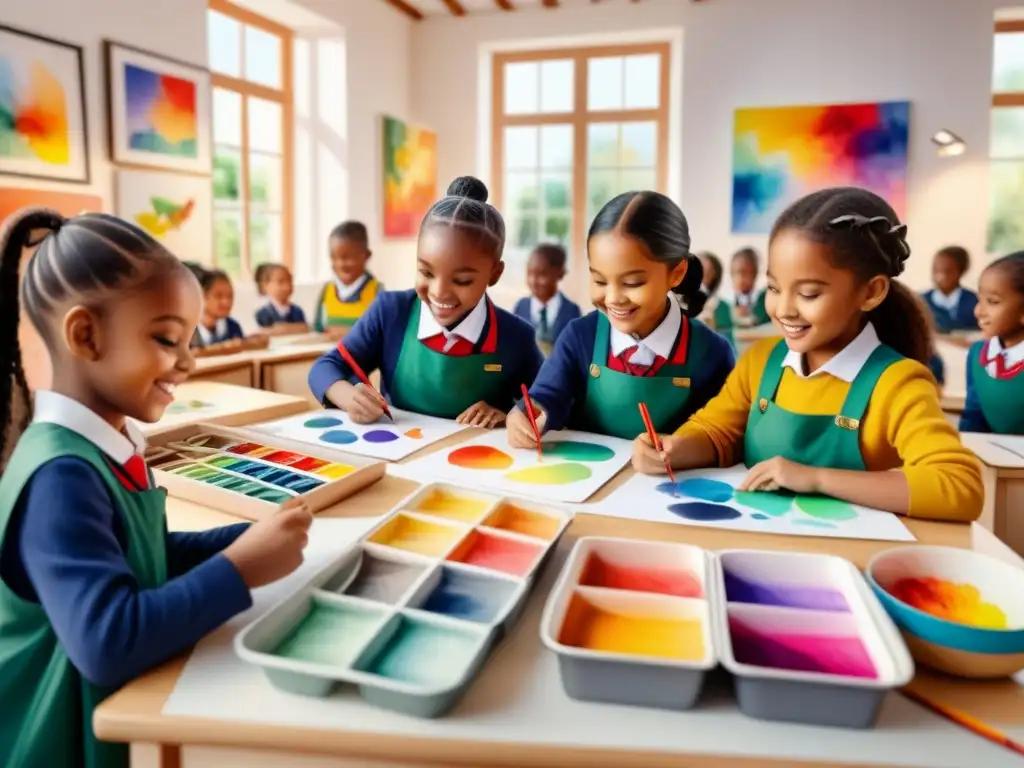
(262, 57)
(639, 142)
(264, 238)
(556, 85)
(604, 83)
(643, 81)
(265, 180)
(521, 88)
(520, 148)
(1006, 224)
(557, 188)
(1008, 62)
(227, 117)
(1008, 132)
(523, 233)
(265, 124)
(227, 174)
(556, 147)
(557, 226)
(637, 179)
(228, 235)
(602, 186)
(224, 44)
(603, 145)
(521, 195)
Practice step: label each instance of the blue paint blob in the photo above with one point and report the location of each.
(339, 437)
(759, 516)
(472, 598)
(702, 511)
(322, 422)
(698, 488)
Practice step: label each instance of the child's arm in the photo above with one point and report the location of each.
(559, 380)
(188, 550)
(973, 419)
(330, 377)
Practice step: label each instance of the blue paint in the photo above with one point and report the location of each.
(702, 511)
(339, 437)
(469, 597)
(322, 422)
(698, 488)
(759, 516)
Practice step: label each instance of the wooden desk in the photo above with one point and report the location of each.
(226, 369)
(225, 404)
(1003, 474)
(285, 368)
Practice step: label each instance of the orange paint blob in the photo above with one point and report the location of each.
(479, 457)
(961, 603)
(415, 434)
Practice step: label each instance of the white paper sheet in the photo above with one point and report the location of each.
(381, 440)
(639, 498)
(588, 462)
(1012, 443)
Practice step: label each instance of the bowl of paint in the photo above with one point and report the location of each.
(630, 623)
(960, 611)
(805, 638)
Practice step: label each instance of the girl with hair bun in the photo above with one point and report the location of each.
(443, 348)
(644, 344)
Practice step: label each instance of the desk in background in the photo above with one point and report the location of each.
(1003, 474)
(226, 404)
(235, 369)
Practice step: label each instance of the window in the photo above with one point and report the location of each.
(1006, 148)
(572, 129)
(251, 61)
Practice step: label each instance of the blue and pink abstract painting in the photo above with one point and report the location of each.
(783, 153)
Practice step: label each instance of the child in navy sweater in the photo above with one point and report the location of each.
(546, 308)
(217, 332)
(951, 304)
(443, 348)
(94, 590)
(278, 316)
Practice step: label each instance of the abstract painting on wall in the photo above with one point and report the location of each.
(43, 126)
(410, 176)
(159, 111)
(782, 153)
(176, 209)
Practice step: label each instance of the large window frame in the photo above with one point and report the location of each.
(284, 97)
(1005, 100)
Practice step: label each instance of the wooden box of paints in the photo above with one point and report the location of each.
(802, 635)
(225, 468)
(409, 615)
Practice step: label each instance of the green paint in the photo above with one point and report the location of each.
(329, 635)
(774, 504)
(426, 655)
(573, 450)
(825, 508)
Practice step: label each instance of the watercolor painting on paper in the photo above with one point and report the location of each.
(783, 153)
(176, 209)
(410, 176)
(708, 497)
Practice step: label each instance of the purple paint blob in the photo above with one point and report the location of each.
(380, 436)
(339, 437)
(740, 590)
(827, 655)
(703, 512)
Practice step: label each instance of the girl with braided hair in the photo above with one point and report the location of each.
(843, 404)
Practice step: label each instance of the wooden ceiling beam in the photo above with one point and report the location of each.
(403, 7)
(505, 5)
(455, 7)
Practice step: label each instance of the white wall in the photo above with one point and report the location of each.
(740, 53)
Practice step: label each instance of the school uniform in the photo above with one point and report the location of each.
(93, 589)
(433, 370)
(272, 313)
(225, 329)
(868, 408)
(340, 305)
(550, 319)
(719, 318)
(995, 389)
(728, 317)
(954, 312)
(597, 376)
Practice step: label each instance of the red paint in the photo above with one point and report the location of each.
(677, 582)
(243, 448)
(308, 464)
(282, 457)
(496, 553)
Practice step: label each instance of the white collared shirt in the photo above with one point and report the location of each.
(744, 299)
(846, 364)
(470, 328)
(1011, 357)
(281, 310)
(220, 330)
(346, 292)
(554, 304)
(54, 408)
(948, 303)
(658, 343)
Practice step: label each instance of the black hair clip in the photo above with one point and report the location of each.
(878, 226)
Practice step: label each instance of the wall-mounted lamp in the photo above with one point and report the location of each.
(949, 144)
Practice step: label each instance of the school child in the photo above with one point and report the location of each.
(748, 306)
(844, 397)
(278, 316)
(716, 313)
(218, 333)
(93, 589)
(950, 303)
(347, 297)
(443, 348)
(995, 366)
(642, 346)
(547, 309)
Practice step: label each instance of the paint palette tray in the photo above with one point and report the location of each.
(410, 613)
(224, 468)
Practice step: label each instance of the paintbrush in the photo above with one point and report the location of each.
(363, 378)
(964, 720)
(533, 420)
(646, 416)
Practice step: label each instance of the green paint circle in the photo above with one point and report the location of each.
(825, 508)
(573, 450)
(774, 504)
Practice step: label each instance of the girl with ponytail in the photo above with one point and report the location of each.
(644, 344)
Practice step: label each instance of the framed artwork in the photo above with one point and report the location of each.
(43, 124)
(410, 176)
(158, 111)
(176, 209)
(783, 153)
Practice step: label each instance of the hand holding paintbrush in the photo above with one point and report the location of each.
(652, 433)
(361, 375)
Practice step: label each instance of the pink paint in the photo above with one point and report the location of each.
(829, 655)
(497, 553)
(678, 582)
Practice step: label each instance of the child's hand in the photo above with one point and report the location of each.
(520, 431)
(365, 406)
(647, 460)
(272, 548)
(481, 415)
(777, 472)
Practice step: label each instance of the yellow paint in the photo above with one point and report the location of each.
(334, 471)
(444, 504)
(416, 536)
(509, 517)
(597, 629)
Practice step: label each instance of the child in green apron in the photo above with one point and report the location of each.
(995, 366)
(845, 397)
(93, 588)
(644, 345)
(717, 314)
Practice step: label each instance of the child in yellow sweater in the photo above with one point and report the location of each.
(845, 397)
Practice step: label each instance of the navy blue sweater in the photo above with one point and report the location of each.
(267, 316)
(973, 419)
(962, 319)
(568, 311)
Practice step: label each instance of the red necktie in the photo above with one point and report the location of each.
(639, 369)
(136, 469)
(461, 347)
(1002, 370)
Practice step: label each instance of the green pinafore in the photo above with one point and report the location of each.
(812, 440)
(442, 385)
(1002, 400)
(46, 707)
(612, 402)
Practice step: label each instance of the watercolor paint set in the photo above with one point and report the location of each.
(411, 612)
(802, 635)
(224, 468)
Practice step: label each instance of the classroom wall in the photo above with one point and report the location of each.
(741, 53)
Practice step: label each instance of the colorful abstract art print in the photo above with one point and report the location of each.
(176, 209)
(410, 176)
(783, 153)
(43, 123)
(571, 468)
(708, 497)
(159, 111)
(382, 440)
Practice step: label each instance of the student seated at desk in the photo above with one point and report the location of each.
(641, 346)
(443, 348)
(349, 295)
(94, 591)
(218, 333)
(950, 303)
(995, 366)
(716, 313)
(278, 316)
(546, 308)
(845, 396)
